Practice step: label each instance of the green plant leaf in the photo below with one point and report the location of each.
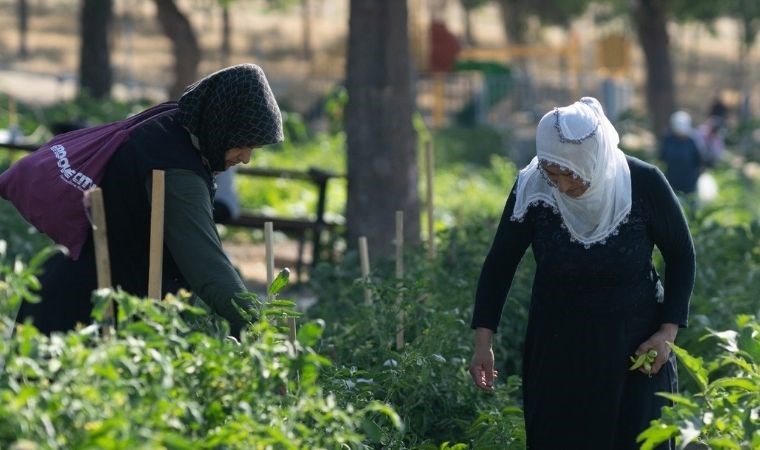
(749, 342)
(735, 382)
(678, 399)
(723, 443)
(655, 435)
(279, 282)
(372, 430)
(310, 333)
(695, 366)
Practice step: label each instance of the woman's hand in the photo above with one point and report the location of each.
(482, 364)
(658, 342)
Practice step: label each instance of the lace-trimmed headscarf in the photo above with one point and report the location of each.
(231, 108)
(581, 139)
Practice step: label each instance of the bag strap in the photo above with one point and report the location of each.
(154, 112)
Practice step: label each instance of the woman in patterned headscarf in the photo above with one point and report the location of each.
(216, 124)
(592, 216)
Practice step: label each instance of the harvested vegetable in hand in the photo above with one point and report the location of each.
(644, 360)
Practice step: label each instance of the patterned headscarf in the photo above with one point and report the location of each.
(228, 109)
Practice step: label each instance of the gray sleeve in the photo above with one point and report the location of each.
(192, 239)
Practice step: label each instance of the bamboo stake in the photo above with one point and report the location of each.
(102, 259)
(364, 259)
(155, 269)
(269, 243)
(439, 102)
(400, 277)
(429, 182)
(12, 113)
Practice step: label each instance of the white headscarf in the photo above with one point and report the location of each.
(579, 138)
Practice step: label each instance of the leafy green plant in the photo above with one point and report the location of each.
(426, 381)
(166, 379)
(724, 412)
(21, 239)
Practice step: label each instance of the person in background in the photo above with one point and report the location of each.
(681, 151)
(217, 123)
(712, 134)
(718, 110)
(226, 204)
(592, 216)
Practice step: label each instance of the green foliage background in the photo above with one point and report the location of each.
(170, 377)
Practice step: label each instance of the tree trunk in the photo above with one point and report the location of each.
(469, 39)
(23, 27)
(514, 21)
(744, 84)
(382, 157)
(650, 19)
(306, 29)
(226, 49)
(95, 76)
(187, 53)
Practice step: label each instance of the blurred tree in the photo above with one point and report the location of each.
(225, 52)
(22, 9)
(516, 13)
(308, 52)
(187, 53)
(95, 76)
(469, 6)
(747, 13)
(515, 19)
(382, 156)
(306, 18)
(650, 19)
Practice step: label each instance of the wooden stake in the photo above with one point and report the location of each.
(364, 260)
(269, 244)
(12, 113)
(400, 277)
(102, 259)
(268, 241)
(439, 100)
(429, 182)
(155, 269)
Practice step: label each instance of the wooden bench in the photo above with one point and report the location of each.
(297, 227)
(293, 226)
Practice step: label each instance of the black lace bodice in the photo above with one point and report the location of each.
(607, 275)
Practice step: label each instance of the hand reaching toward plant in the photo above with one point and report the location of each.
(482, 364)
(654, 352)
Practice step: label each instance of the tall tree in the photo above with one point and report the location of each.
(22, 10)
(95, 76)
(306, 22)
(747, 14)
(516, 14)
(187, 54)
(469, 6)
(382, 160)
(225, 52)
(308, 53)
(650, 18)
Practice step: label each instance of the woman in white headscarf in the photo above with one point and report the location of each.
(592, 216)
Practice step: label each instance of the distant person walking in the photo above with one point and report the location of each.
(680, 150)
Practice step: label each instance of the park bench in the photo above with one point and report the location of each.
(299, 228)
(296, 227)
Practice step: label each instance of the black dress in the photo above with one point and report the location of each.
(590, 310)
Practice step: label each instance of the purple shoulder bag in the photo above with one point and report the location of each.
(47, 185)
